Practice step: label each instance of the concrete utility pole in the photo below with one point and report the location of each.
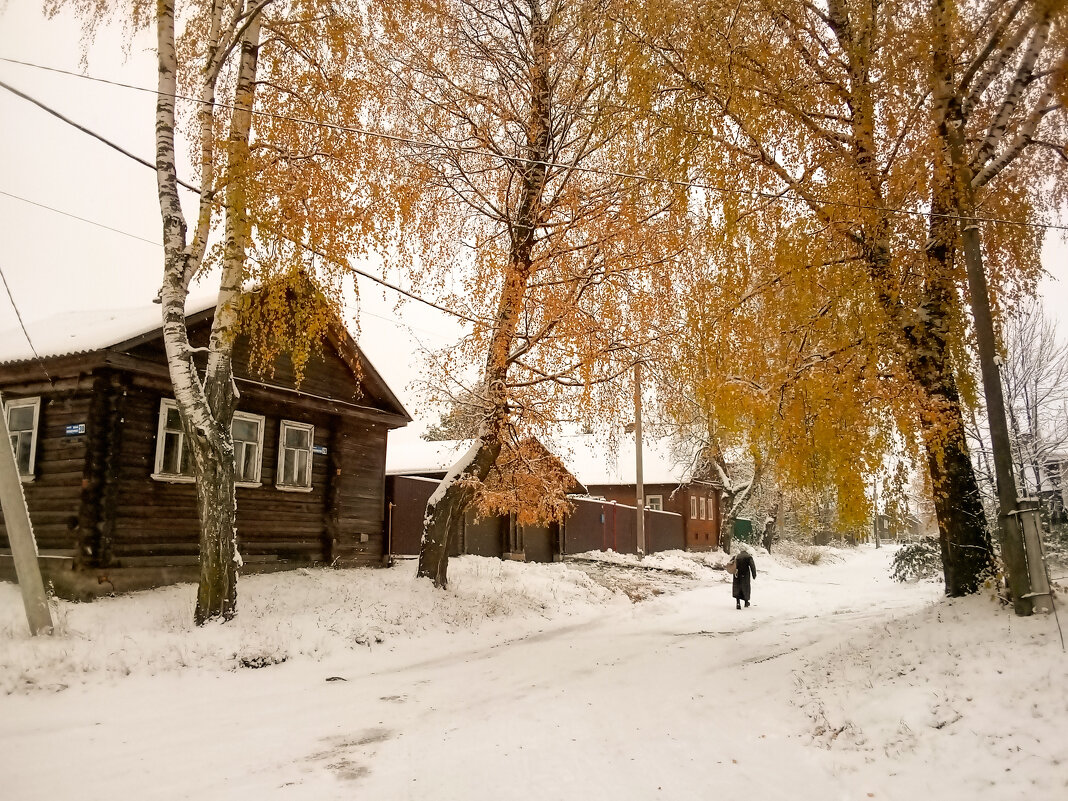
(640, 491)
(20, 535)
(1012, 527)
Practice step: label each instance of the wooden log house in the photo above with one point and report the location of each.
(108, 481)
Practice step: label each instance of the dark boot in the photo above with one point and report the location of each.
(747, 604)
(737, 604)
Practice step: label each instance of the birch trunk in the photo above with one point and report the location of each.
(446, 507)
(206, 405)
(923, 334)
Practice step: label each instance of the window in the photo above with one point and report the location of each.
(654, 502)
(711, 507)
(174, 461)
(295, 455)
(247, 430)
(22, 418)
(693, 507)
(174, 458)
(702, 502)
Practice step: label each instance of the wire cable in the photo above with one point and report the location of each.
(81, 219)
(22, 325)
(356, 270)
(425, 144)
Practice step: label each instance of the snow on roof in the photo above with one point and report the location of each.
(590, 459)
(595, 461)
(73, 332)
(408, 453)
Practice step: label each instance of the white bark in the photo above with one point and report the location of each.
(1024, 73)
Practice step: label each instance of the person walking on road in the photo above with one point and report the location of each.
(743, 567)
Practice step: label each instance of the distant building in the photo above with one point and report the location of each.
(601, 518)
(670, 484)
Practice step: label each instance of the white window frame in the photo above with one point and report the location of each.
(693, 507)
(260, 421)
(166, 404)
(282, 428)
(659, 499)
(701, 503)
(19, 403)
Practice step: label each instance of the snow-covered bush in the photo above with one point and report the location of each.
(917, 560)
(805, 554)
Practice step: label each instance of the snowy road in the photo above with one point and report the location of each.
(679, 697)
(672, 696)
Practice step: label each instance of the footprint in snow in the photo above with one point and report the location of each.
(346, 755)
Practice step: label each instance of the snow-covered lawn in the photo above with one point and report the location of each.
(537, 682)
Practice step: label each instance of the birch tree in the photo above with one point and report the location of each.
(994, 88)
(517, 145)
(825, 108)
(1035, 374)
(774, 379)
(272, 189)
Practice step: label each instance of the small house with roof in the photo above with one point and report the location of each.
(519, 531)
(670, 483)
(107, 477)
(605, 522)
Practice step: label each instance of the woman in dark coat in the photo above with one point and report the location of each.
(743, 566)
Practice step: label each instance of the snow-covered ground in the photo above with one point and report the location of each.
(537, 681)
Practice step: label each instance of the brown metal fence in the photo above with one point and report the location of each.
(600, 525)
(593, 525)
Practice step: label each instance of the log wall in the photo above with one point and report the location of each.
(54, 495)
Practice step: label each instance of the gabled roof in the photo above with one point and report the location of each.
(85, 332)
(74, 332)
(598, 462)
(410, 455)
(591, 460)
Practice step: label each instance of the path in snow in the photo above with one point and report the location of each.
(678, 697)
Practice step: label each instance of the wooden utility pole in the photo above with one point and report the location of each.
(640, 490)
(20, 535)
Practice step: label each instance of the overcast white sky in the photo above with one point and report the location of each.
(55, 263)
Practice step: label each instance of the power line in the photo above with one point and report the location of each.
(81, 219)
(22, 325)
(460, 149)
(88, 131)
(357, 270)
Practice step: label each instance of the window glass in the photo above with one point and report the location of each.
(296, 437)
(247, 430)
(294, 454)
(693, 507)
(702, 502)
(172, 452)
(20, 444)
(20, 418)
(173, 458)
(22, 428)
(655, 502)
